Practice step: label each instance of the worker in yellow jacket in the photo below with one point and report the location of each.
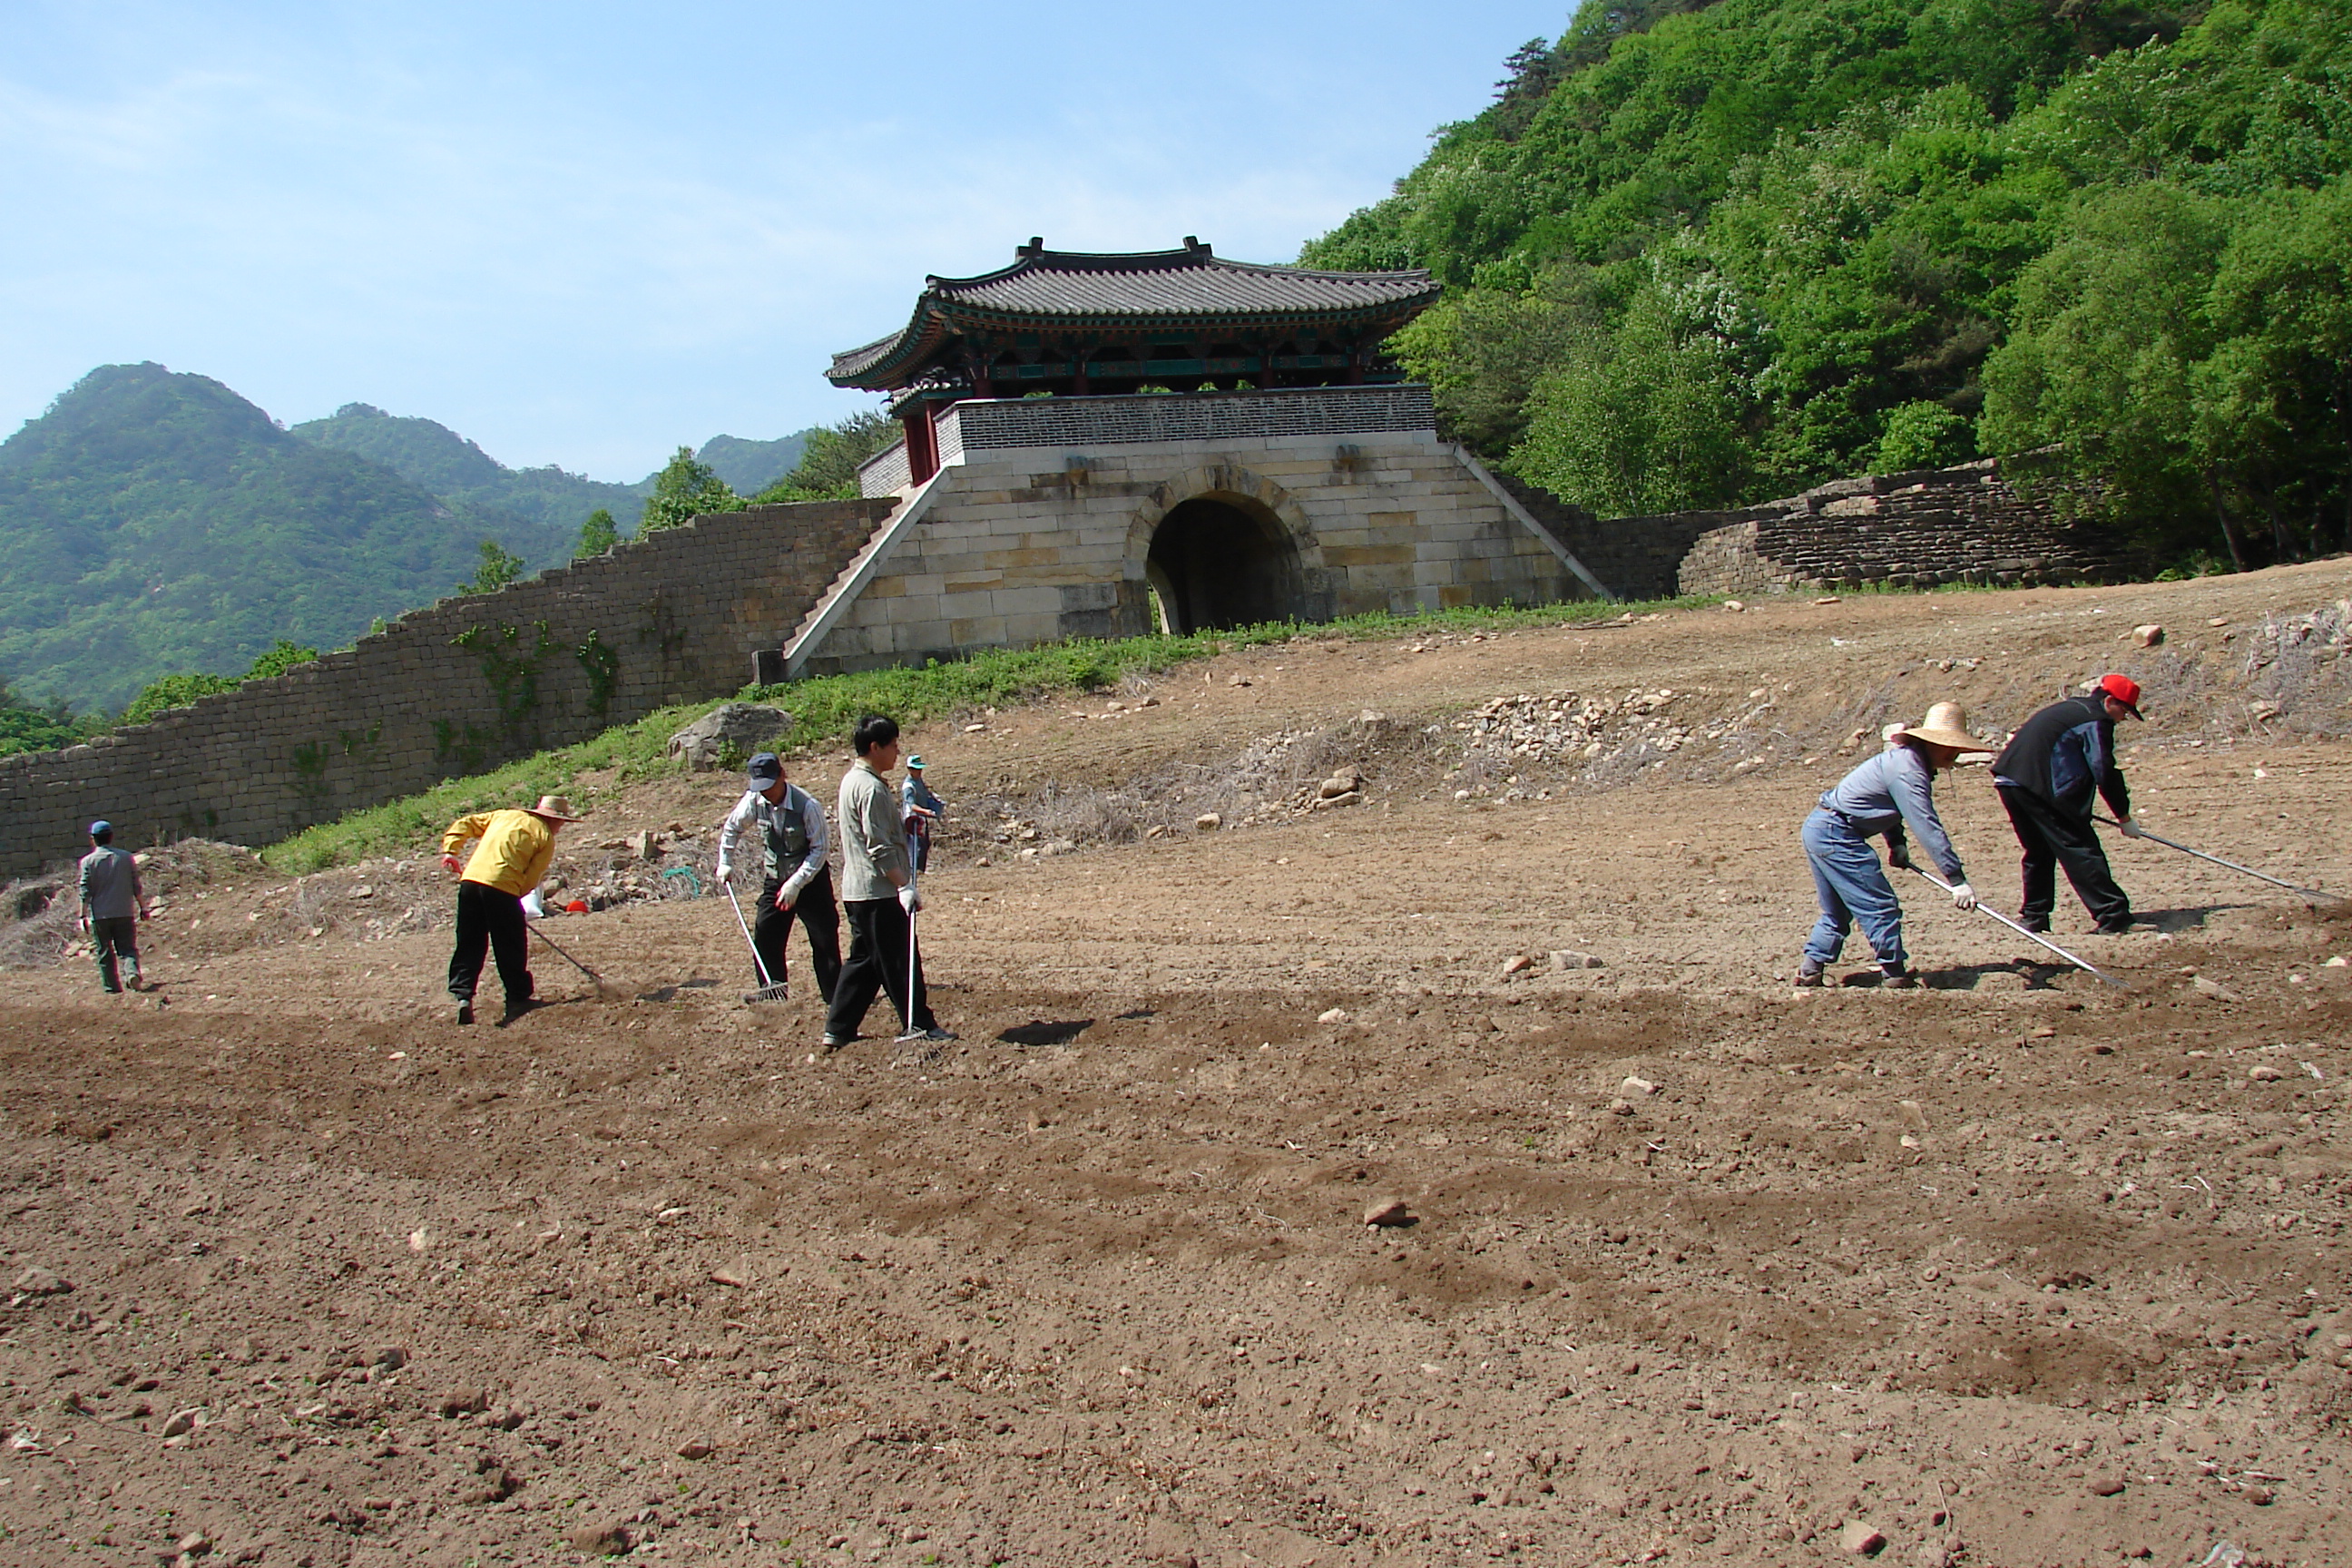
(512, 858)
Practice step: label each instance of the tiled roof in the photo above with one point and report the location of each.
(1191, 286)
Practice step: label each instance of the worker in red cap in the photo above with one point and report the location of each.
(2054, 767)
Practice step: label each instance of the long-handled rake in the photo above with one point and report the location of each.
(2029, 935)
(770, 988)
(603, 986)
(2232, 865)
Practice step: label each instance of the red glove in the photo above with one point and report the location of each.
(449, 863)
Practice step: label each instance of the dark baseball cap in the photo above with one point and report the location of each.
(766, 768)
(100, 826)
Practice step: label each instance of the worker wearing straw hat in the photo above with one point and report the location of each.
(1892, 791)
(509, 862)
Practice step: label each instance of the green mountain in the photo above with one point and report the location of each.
(751, 466)
(1703, 253)
(152, 522)
(438, 460)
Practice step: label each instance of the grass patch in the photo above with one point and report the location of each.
(824, 708)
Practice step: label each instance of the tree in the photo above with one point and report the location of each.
(829, 463)
(277, 659)
(684, 489)
(1924, 436)
(1643, 421)
(498, 569)
(597, 535)
(28, 726)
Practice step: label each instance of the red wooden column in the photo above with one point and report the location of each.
(922, 441)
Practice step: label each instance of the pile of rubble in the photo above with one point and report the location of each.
(1602, 742)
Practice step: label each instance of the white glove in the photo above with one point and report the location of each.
(2130, 829)
(726, 868)
(910, 899)
(1963, 896)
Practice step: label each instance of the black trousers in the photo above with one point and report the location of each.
(814, 909)
(2051, 838)
(880, 938)
(489, 919)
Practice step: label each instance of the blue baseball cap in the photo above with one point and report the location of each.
(766, 768)
(100, 826)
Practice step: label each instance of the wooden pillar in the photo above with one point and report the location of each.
(922, 441)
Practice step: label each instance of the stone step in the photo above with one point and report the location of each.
(845, 580)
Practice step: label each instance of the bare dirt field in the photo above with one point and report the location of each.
(2016, 1270)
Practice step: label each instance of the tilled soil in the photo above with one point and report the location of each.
(2016, 1270)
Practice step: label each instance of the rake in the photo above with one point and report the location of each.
(2029, 935)
(770, 988)
(2232, 865)
(605, 988)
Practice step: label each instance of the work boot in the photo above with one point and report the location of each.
(1809, 974)
(2038, 924)
(465, 1010)
(1898, 977)
(2113, 926)
(516, 1009)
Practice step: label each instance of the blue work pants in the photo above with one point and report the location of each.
(1852, 885)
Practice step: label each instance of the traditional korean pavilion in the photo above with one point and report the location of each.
(1076, 324)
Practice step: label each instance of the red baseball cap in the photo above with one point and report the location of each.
(2124, 689)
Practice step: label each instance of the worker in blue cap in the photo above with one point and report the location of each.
(923, 810)
(112, 905)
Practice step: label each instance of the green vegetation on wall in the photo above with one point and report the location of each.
(1699, 254)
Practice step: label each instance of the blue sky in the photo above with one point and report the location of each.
(584, 234)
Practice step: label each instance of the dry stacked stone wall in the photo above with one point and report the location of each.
(1965, 524)
(467, 684)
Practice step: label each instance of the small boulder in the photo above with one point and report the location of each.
(1389, 1213)
(694, 1448)
(1518, 964)
(38, 1282)
(1564, 959)
(1860, 1540)
(182, 1423)
(2106, 1486)
(2214, 989)
(456, 1401)
(602, 1540)
(2148, 635)
(1332, 1016)
(1638, 1086)
(2265, 1073)
(744, 727)
(1208, 822)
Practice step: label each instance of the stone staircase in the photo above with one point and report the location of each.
(834, 604)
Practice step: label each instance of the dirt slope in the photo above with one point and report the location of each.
(2016, 1270)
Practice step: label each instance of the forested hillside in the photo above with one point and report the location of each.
(152, 522)
(1698, 255)
(438, 460)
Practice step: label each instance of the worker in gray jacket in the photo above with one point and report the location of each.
(878, 892)
(1892, 790)
(112, 905)
(795, 880)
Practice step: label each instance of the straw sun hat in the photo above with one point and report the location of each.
(1947, 725)
(558, 808)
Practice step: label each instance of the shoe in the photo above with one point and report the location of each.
(2038, 924)
(1808, 976)
(1902, 979)
(516, 1009)
(835, 1042)
(934, 1033)
(465, 1013)
(2115, 927)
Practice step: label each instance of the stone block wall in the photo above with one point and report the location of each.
(465, 685)
(1913, 530)
(1635, 557)
(1020, 545)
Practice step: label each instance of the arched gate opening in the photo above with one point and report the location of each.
(1216, 563)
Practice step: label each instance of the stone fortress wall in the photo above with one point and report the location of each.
(465, 685)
